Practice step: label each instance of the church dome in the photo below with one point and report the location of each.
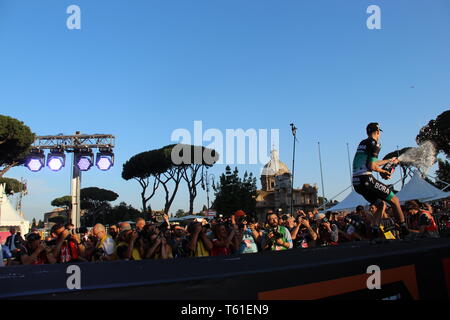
(275, 167)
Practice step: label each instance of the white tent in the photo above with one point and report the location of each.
(439, 197)
(418, 188)
(353, 200)
(9, 216)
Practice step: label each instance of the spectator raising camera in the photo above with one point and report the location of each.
(198, 243)
(246, 235)
(158, 246)
(65, 244)
(36, 251)
(328, 233)
(276, 237)
(303, 235)
(126, 246)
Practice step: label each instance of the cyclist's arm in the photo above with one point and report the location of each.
(376, 166)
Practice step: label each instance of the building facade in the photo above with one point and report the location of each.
(275, 194)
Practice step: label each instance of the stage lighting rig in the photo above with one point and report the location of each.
(81, 146)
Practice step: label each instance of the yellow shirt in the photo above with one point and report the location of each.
(200, 250)
(135, 254)
(158, 255)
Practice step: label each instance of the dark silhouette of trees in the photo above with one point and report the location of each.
(146, 168)
(234, 193)
(443, 174)
(62, 202)
(95, 200)
(193, 166)
(166, 168)
(15, 141)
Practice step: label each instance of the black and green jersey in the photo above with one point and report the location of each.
(367, 152)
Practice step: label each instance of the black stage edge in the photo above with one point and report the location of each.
(409, 270)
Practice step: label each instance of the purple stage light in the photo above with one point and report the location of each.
(104, 162)
(35, 161)
(35, 164)
(84, 163)
(56, 159)
(55, 163)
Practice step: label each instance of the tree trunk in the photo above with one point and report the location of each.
(144, 203)
(191, 184)
(176, 178)
(191, 203)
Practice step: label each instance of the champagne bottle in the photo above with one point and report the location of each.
(390, 167)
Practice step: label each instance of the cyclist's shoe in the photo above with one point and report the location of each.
(404, 232)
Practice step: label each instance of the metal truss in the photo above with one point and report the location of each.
(78, 141)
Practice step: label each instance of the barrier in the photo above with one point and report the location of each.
(409, 270)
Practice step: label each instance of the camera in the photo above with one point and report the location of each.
(356, 222)
(50, 243)
(98, 253)
(276, 234)
(163, 227)
(246, 221)
(353, 220)
(220, 219)
(251, 220)
(207, 226)
(80, 230)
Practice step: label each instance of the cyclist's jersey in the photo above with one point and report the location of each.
(367, 152)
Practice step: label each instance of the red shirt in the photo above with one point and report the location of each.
(69, 251)
(219, 251)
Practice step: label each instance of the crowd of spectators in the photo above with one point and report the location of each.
(236, 234)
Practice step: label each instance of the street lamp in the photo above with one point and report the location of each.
(294, 134)
(205, 177)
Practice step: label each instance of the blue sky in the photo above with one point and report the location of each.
(141, 69)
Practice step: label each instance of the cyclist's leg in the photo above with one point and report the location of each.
(395, 204)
